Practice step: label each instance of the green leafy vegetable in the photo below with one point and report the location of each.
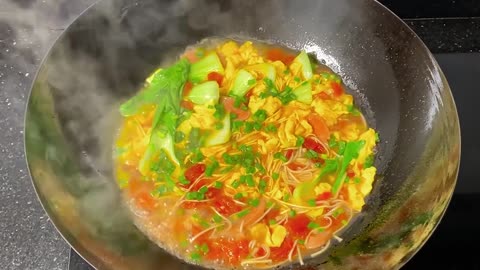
(304, 60)
(303, 93)
(241, 83)
(200, 70)
(167, 85)
(205, 93)
(222, 135)
(351, 152)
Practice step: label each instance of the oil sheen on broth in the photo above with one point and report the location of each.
(244, 155)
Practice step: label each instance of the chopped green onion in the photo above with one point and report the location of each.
(377, 137)
(204, 248)
(272, 222)
(262, 185)
(219, 111)
(260, 168)
(300, 141)
(271, 127)
(252, 82)
(286, 197)
(238, 196)
(227, 169)
(217, 218)
(236, 184)
(243, 213)
(312, 202)
(275, 176)
(257, 125)
(195, 256)
(297, 79)
(369, 161)
(218, 126)
(211, 168)
(179, 136)
(260, 115)
(250, 169)
(218, 185)
(356, 180)
(286, 72)
(248, 127)
(182, 180)
(292, 213)
(245, 148)
(280, 156)
(236, 125)
(203, 189)
(311, 154)
(312, 225)
(301, 242)
(254, 202)
(248, 180)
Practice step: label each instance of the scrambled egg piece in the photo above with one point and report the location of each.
(357, 192)
(271, 236)
(270, 104)
(201, 117)
(330, 110)
(369, 138)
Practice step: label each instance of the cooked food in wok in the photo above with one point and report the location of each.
(244, 155)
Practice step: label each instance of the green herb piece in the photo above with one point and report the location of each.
(217, 218)
(200, 69)
(160, 191)
(312, 202)
(272, 222)
(245, 148)
(250, 169)
(310, 154)
(204, 248)
(257, 125)
(369, 161)
(301, 242)
(211, 168)
(297, 79)
(286, 197)
(182, 180)
(312, 225)
(229, 159)
(203, 190)
(254, 202)
(354, 111)
(243, 213)
(195, 256)
(271, 128)
(337, 212)
(357, 180)
(227, 169)
(260, 168)
(300, 141)
(286, 71)
(236, 184)
(248, 127)
(292, 213)
(262, 185)
(237, 125)
(280, 156)
(248, 180)
(377, 137)
(332, 142)
(252, 82)
(238, 196)
(341, 147)
(260, 115)
(179, 136)
(275, 176)
(219, 113)
(218, 185)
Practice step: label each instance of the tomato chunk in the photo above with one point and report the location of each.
(319, 126)
(225, 205)
(324, 196)
(194, 172)
(215, 76)
(337, 89)
(298, 226)
(312, 144)
(230, 251)
(278, 254)
(229, 104)
(277, 54)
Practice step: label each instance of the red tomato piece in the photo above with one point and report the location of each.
(225, 205)
(230, 251)
(278, 254)
(337, 89)
(194, 172)
(324, 196)
(145, 201)
(187, 105)
(187, 88)
(229, 104)
(312, 144)
(215, 76)
(298, 226)
(319, 126)
(213, 193)
(277, 54)
(350, 173)
(289, 153)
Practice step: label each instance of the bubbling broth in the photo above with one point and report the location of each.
(244, 155)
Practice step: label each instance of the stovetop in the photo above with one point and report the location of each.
(450, 28)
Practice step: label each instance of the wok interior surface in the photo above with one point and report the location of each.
(104, 56)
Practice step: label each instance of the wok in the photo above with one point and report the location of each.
(104, 56)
